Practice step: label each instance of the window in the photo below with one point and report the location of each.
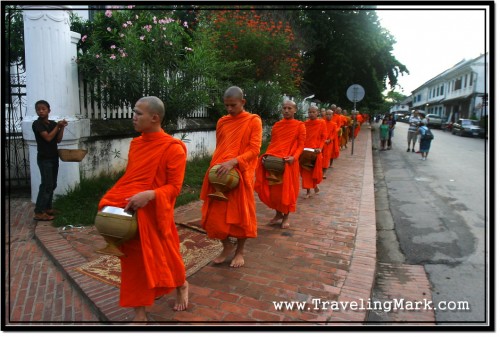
(458, 84)
(471, 76)
(442, 90)
(465, 81)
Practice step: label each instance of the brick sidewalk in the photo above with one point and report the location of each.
(328, 253)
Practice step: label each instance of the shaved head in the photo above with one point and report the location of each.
(233, 92)
(155, 105)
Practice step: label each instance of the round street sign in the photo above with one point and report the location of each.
(355, 93)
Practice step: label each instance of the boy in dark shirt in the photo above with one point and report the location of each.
(47, 134)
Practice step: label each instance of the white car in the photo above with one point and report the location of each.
(434, 120)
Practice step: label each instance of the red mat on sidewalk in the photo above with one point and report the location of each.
(196, 248)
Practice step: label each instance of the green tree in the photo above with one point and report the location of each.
(348, 46)
(263, 48)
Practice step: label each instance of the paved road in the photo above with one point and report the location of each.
(438, 209)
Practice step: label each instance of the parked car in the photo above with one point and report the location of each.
(434, 121)
(468, 127)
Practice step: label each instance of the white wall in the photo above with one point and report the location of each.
(110, 155)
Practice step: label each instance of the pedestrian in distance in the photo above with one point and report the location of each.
(412, 136)
(392, 125)
(287, 142)
(425, 140)
(48, 134)
(238, 141)
(152, 265)
(383, 134)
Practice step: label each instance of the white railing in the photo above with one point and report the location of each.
(91, 109)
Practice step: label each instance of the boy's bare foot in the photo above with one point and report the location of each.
(285, 225)
(181, 302)
(307, 196)
(316, 190)
(237, 261)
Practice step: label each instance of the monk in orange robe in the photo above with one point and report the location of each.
(315, 139)
(359, 121)
(331, 131)
(287, 142)
(339, 120)
(238, 141)
(152, 265)
(348, 128)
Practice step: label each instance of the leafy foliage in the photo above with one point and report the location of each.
(14, 34)
(349, 46)
(130, 53)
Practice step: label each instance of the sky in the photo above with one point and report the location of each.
(431, 40)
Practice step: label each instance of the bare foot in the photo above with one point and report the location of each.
(307, 196)
(181, 302)
(276, 220)
(316, 190)
(228, 249)
(237, 261)
(285, 225)
(140, 315)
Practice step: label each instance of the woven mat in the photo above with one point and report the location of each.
(196, 248)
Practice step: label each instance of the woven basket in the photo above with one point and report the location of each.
(72, 155)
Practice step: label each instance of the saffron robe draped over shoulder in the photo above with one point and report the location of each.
(315, 138)
(152, 264)
(287, 139)
(237, 137)
(328, 149)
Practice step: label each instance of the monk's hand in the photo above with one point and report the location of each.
(328, 141)
(289, 159)
(317, 150)
(139, 200)
(226, 167)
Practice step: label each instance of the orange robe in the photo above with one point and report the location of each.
(287, 139)
(315, 138)
(331, 131)
(236, 137)
(359, 119)
(348, 130)
(339, 120)
(152, 265)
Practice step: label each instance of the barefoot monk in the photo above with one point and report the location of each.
(287, 143)
(315, 140)
(152, 265)
(238, 141)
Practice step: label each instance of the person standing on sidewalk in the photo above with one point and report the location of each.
(425, 143)
(238, 141)
(152, 265)
(383, 134)
(48, 134)
(414, 121)
(315, 139)
(392, 124)
(287, 142)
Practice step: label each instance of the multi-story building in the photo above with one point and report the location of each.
(458, 92)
